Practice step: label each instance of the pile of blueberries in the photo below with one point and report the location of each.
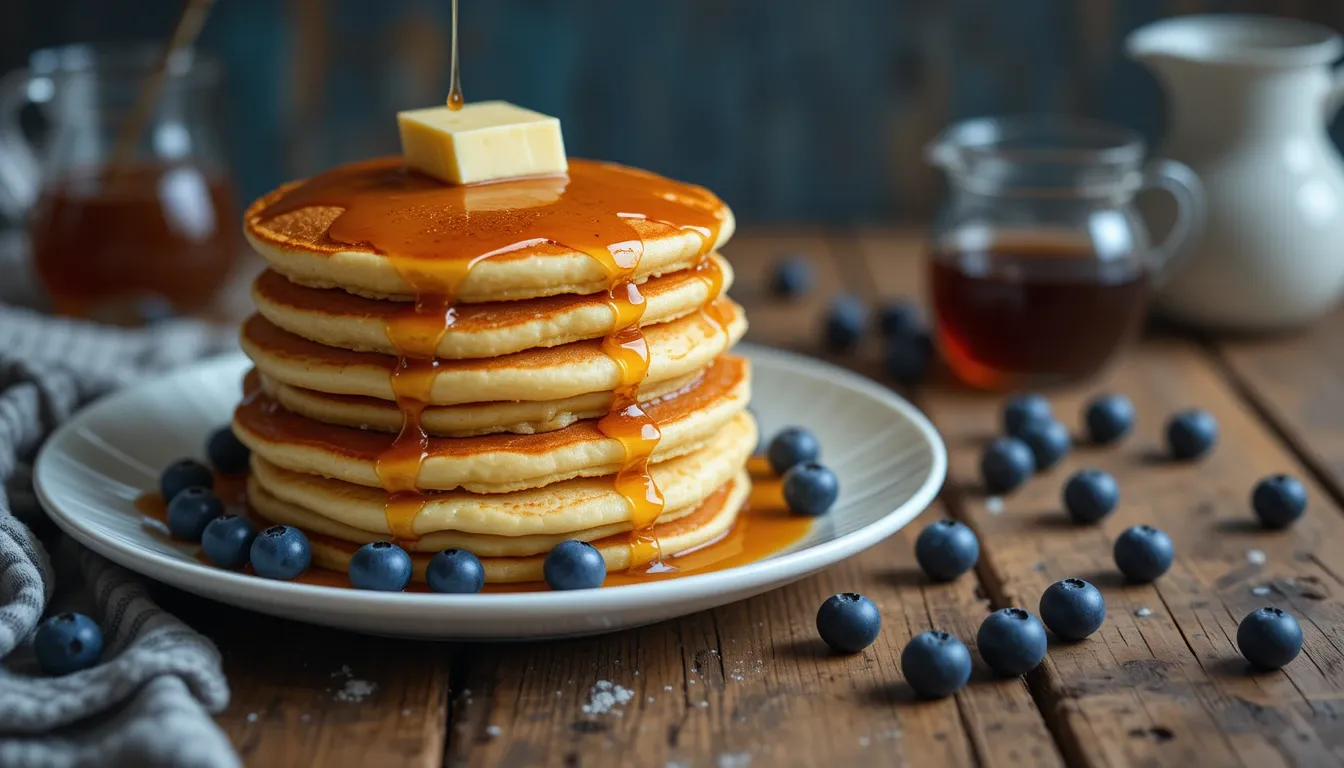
(1012, 641)
(908, 348)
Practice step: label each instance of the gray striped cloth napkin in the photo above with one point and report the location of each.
(148, 702)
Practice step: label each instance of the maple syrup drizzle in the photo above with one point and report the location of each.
(433, 234)
(455, 85)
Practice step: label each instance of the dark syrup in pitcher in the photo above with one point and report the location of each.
(1025, 312)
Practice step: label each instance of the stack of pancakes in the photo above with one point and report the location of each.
(417, 381)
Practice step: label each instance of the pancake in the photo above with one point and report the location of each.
(460, 519)
(521, 417)
(676, 349)
(494, 463)
(709, 522)
(519, 225)
(339, 319)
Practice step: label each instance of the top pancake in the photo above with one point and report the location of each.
(378, 229)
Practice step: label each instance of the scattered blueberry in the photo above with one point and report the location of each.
(900, 317)
(1048, 440)
(1109, 418)
(1278, 501)
(1072, 609)
(183, 474)
(67, 642)
(846, 319)
(792, 276)
(380, 566)
(574, 565)
(191, 510)
(226, 451)
(1024, 409)
(848, 623)
(1269, 638)
(793, 445)
(946, 549)
(907, 357)
(1006, 464)
(810, 489)
(1011, 641)
(1143, 553)
(1191, 434)
(935, 664)
(455, 571)
(227, 541)
(280, 552)
(1090, 495)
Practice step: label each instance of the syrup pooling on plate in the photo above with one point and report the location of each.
(433, 233)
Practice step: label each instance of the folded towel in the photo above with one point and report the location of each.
(148, 702)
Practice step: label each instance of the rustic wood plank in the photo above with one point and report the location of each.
(1162, 681)
(1295, 381)
(306, 695)
(752, 681)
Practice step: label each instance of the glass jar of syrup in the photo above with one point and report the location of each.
(130, 210)
(1040, 265)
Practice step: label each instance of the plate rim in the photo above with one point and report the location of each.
(790, 565)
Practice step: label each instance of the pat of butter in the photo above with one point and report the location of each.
(484, 141)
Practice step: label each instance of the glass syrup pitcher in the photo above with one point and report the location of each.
(1040, 266)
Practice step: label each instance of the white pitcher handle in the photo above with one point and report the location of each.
(1335, 98)
(19, 170)
(1184, 185)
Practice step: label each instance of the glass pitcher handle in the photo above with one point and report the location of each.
(1183, 184)
(20, 173)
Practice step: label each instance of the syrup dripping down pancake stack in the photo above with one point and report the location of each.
(496, 367)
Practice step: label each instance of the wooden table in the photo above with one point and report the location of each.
(751, 684)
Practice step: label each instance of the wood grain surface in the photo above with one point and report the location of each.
(1160, 684)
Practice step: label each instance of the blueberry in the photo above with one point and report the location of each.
(1024, 409)
(574, 565)
(1191, 434)
(226, 451)
(280, 552)
(792, 276)
(1011, 641)
(1143, 553)
(1072, 609)
(455, 571)
(946, 549)
(227, 541)
(380, 566)
(190, 511)
(810, 489)
(848, 623)
(846, 319)
(935, 664)
(1090, 495)
(1006, 464)
(1278, 501)
(67, 642)
(900, 317)
(183, 474)
(1048, 440)
(1269, 638)
(907, 357)
(793, 445)
(1108, 418)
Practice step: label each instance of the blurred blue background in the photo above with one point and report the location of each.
(792, 110)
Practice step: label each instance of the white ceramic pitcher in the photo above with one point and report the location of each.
(1248, 99)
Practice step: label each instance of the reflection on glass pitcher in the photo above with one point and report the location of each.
(126, 240)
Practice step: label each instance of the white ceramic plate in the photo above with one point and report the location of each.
(890, 461)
